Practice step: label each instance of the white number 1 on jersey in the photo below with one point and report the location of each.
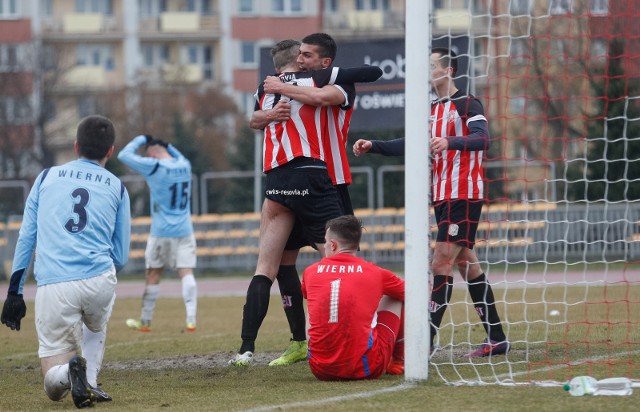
(333, 305)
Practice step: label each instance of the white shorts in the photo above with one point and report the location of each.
(62, 308)
(172, 252)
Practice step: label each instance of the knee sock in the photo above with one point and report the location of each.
(398, 349)
(56, 382)
(149, 298)
(291, 292)
(93, 351)
(190, 296)
(485, 304)
(254, 311)
(440, 297)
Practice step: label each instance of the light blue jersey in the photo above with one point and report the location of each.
(77, 218)
(169, 183)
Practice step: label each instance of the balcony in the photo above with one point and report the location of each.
(92, 26)
(187, 73)
(182, 25)
(86, 76)
(365, 22)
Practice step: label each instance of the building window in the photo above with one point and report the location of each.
(331, 6)
(46, 8)
(373, 5)
(198, 54)
(518, 51)
(599, 6)
(95, 6)
(15, 110)
(152, 8)
(200, 6)
(9, 9)
(598, 50)
(245, 6)
(559, 7)
(520, 7)
(248, 52)
(154, 55)
(11, 57)
(86, 106)
(95, 55)
(517, 105)
(286, 6)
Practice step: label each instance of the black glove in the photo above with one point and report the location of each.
(13, 311)
(149, 138)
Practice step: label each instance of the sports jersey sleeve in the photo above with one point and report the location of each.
(478, 137)
(26, 239)
(349, 75)
(122, 234)
(393, 147)
(141, 164)
(393, 285)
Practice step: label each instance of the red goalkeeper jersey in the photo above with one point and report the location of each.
(343, 293)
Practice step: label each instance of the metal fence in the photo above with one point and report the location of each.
(510, 233)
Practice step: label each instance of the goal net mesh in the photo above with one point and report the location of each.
(559, 237)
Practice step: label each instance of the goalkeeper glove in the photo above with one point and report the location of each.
(13, 311)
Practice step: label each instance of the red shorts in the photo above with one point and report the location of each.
(374, 362)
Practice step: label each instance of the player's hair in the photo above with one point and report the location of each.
(348, 230)
(95, 136)
(285, 52)
(326, 45)
(447, 58)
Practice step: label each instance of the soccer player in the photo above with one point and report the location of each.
(297, 189)
(459, 137)
(171, 240)
(78, 221)
(355, 309)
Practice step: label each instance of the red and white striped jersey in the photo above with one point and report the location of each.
(457, 174)
(316, 132)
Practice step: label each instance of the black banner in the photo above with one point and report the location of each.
(380, 105)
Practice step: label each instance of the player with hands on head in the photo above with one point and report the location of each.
(459, 138)
(77, 219)
(171, 240)
(355, 310)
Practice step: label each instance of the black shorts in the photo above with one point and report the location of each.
(458, 221)
(304, 186)
(297, 238)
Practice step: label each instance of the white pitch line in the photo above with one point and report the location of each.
(350, 397)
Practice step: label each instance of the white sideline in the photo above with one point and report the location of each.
(318, 402)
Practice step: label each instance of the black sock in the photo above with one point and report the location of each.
(291, 292)
(254, 311)
(440, 297)
(485, 304)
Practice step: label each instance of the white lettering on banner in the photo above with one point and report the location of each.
(292, 192)
(390, 69)
(379, 101)
(340, 269)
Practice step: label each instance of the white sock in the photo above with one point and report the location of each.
(149, 298)
(56, 382)
(93, 351)
(190, 296)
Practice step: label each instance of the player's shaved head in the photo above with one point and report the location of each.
(95, 137)
(346, 229)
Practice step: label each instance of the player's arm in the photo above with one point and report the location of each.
(14, 308)
(478, 138)
(393, 285)
(122, 234)
(141, 164)
(362, 74)
(325, 96)
(281, 112)
(393, 147)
